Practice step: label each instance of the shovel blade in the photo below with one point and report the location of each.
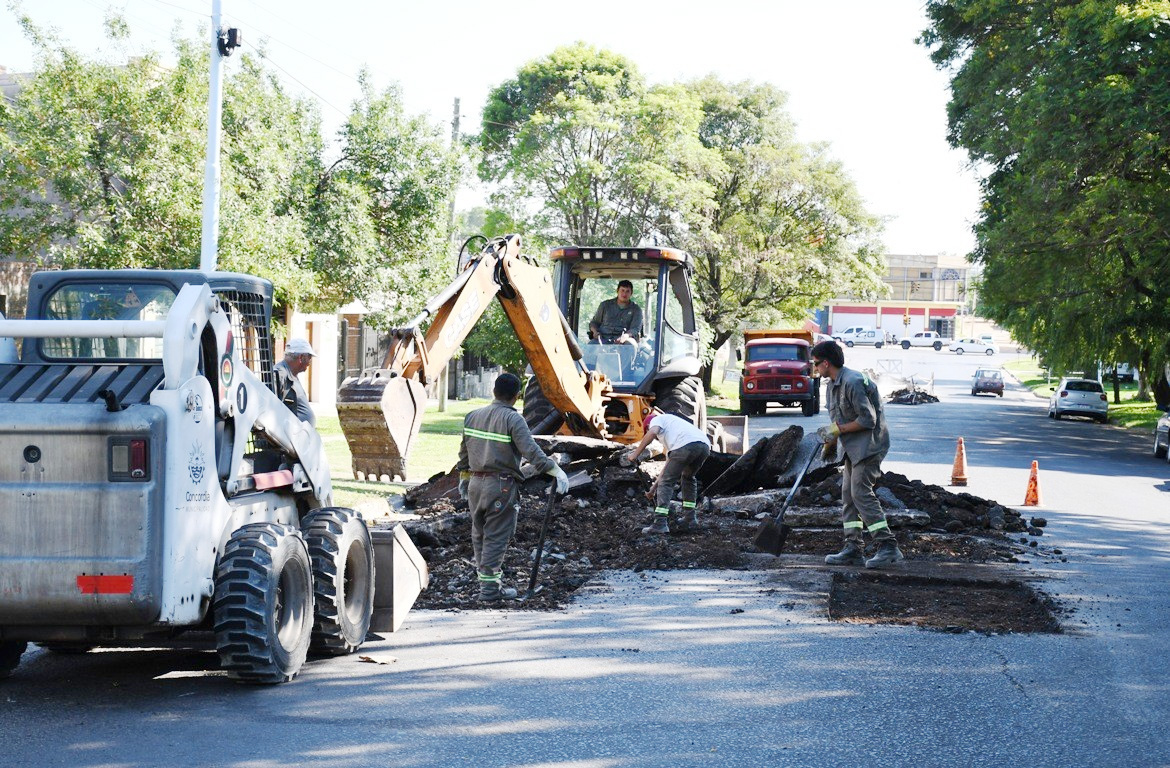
(770, 537)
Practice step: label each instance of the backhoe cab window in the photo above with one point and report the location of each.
(107, 301)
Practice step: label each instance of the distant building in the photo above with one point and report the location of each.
(926, 293)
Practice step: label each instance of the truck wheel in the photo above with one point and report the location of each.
(849, 343)
(342, 557)
(905, 344)
(809, 408)
(10, 653)
(878, 344)
(538, 411)
(937, 346)
(682, 397)
(263, 608)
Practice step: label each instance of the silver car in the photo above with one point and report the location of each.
(1079, 397)
(1162, 437)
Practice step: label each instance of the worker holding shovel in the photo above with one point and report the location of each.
(494, 439)
(687, 448)
(857, 422)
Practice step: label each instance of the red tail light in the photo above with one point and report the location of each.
(1104, 399)
(1064, 393)
(129, 459)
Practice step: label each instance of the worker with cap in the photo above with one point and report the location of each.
(687, 447)
(495, 437)
(858, 424)
(298, 355)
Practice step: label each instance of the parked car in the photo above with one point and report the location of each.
(877, 338)
(852, 333)
(988, 380)
(1079, 397)
(972, 345)
(1162, 437)
(925, 339)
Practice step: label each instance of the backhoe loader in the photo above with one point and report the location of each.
(593, 390)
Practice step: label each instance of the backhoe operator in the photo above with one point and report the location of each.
(617, 321)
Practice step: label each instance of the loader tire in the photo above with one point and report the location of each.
(539, 413)
(684, 398)
(263, 607)
(10, 653)
(342, 557)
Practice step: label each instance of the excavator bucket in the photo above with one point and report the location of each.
(380, 416)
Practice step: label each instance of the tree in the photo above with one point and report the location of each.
(1065, 104)
(604, 158)
(787, 228)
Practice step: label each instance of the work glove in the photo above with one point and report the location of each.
(464, 482)
(829, 434)
(562, 479)
(829, 451)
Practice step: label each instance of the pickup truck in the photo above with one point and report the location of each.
(925, 339)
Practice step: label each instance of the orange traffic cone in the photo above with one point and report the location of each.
(959, 471)
(1032, 497)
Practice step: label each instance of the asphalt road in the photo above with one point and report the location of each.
(704, 668)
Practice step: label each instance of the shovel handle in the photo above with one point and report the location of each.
(552, 500)
(795, 486)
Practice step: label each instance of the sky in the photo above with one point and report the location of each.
(854, 76)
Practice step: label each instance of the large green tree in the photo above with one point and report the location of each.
(1067, 107)
(787, 228)
(603, 158)
(101, 165)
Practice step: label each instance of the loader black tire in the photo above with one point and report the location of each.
(538, 411)
(263, 606)
(684, 398)
(10, 653)
(342, 557)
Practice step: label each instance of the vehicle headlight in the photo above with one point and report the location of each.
(750, 385)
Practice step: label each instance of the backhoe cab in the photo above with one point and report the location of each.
(658, 368)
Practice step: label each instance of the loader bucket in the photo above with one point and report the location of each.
(380, 416)
(400, 575)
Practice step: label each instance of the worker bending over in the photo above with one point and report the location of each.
(856, 421)
(687, 448)
(495, 437)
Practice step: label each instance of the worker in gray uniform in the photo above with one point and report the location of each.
(687, 447)
(298, 355)
(495, 437)
(857, 422)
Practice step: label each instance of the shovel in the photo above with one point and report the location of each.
(773, 532)
(552, 500)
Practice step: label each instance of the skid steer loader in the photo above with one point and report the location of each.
(156, 485)
(573, 389)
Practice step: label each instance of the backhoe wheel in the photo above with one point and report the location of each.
(682, 397)
(10, 653)
(342, 557)
(538, 411)
(263, 606)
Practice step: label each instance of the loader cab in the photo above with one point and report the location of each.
(667, 347)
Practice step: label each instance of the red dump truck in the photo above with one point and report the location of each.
(776, 370)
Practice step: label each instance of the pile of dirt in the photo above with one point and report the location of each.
(598, 525)
(911, 396)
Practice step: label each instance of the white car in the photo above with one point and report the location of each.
(1079, 397)
(1162, 437)
(877, 338)
(973, 345)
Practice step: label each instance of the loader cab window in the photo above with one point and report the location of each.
(120, 300)
(679, 336)
(625, 361)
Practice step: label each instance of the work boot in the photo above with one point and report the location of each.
(491, 591)
(851, 554)
(887, 554)
(689, 520)
(658, 526)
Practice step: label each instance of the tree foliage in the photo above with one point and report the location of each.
(101, 165)
(786, 229)
(1066, 105)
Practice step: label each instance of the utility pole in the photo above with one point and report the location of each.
(445, 374)
(223, 42)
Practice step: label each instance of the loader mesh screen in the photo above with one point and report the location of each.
(246, 311)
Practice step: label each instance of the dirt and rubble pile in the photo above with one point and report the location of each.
(597, 526)
(911, 396)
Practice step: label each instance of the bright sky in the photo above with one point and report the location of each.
(854, 75)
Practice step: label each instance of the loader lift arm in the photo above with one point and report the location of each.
(381, 411)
